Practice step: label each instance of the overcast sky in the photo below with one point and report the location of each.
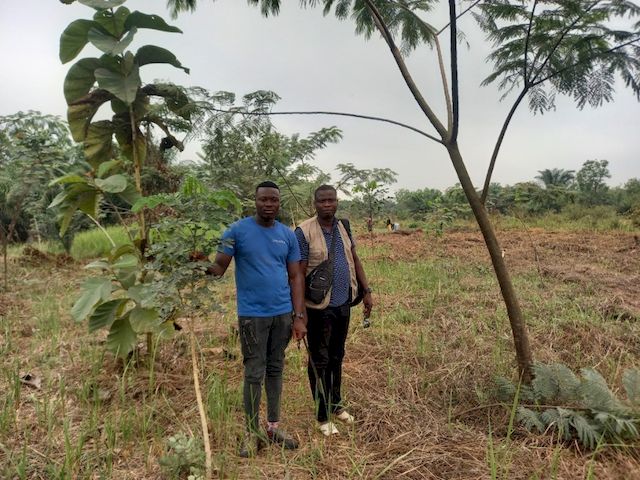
(318, 63)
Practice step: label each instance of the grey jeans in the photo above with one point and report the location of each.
(263, 341)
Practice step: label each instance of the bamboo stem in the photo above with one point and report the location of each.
(203, 416)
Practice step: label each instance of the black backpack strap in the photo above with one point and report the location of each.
(347, 226)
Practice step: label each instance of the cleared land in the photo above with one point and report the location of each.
(419, 381)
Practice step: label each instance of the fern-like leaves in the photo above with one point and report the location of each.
(576, 407)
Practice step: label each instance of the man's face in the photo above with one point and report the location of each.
(326, 203)
(267, 202)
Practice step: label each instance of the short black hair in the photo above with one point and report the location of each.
(267, 184)
(322, 188)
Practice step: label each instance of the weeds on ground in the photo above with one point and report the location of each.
(437, 339)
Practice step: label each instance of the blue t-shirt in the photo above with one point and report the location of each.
(261, 255)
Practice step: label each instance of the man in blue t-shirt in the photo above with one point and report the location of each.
(270, 298)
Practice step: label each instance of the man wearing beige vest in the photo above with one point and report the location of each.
(328, 320)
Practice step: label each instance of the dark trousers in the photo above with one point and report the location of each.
(263, 341)
(326, 333)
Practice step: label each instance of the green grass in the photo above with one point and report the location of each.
(94, 243)
(573, 218)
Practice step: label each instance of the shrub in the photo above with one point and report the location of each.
(576, 406)
(184, 457)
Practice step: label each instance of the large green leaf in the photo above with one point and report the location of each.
(125, 87)
(81, 112)
(71, 178)
(98, 143)
(100, 4)
(80, 79)
(112, 22)
(141, 294)
(74, 38)
(121, 339)
(113, 184)
(140, 107)
(127, 260)
(127, 276)
(76, 196)
(144, 319)
(93, 290)
(126, 269)
(175, 98)
(106, 167)
(124, 249)
(88, 202)
(66, 217)
(142, 20)
(98, 264)
(106, 313)
(152, 54)
(108, 43)
(58, 199)
(130, 195)
(124, 137)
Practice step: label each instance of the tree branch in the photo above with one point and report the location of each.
(445, 86)
(156, 121)
(526, 42)
(527, 86)
(561, 38)
(579, 62)
(422, 103)
(455, 104)
(460, 15)
(496, 148)
(339, 114)
(443, 74)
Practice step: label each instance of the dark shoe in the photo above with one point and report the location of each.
(250, 445)
(279, 436)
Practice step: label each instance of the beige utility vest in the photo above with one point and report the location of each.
(319, 252)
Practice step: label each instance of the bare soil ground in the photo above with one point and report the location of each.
(609, 260)
(419, 381)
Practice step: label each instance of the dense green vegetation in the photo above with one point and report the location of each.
(583, 200)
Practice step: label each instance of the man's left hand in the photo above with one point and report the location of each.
(299, 328)
(367, 301)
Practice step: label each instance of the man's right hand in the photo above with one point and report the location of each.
(198, 256)
(299, 328)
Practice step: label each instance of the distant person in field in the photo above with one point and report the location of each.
(328, 321)
(369, 224)
(270, 300)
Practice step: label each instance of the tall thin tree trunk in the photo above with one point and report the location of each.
(518, 327)
(137, 174)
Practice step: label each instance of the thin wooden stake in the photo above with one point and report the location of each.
(203, 416)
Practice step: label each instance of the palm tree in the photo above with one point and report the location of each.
(556, 177)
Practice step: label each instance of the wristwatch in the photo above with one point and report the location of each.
(367, 290)
(299, 315)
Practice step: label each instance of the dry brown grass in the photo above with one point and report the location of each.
(418, 381)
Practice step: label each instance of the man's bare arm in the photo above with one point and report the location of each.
(220, 264)
(296, 281)
(367, 300)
